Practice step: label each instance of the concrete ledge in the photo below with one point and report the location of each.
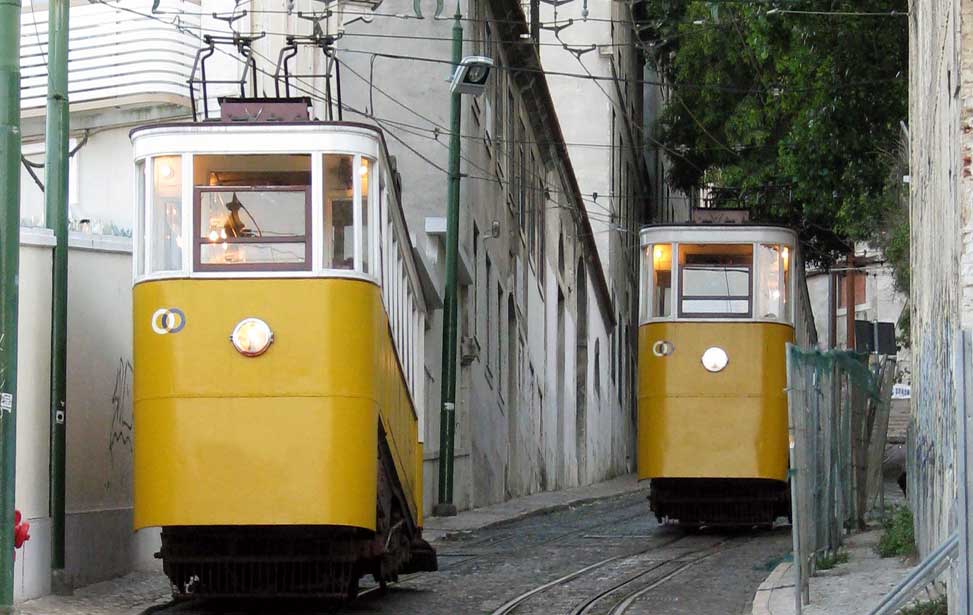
(851, 588)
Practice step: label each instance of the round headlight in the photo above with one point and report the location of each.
(715, 359)
(252, 337)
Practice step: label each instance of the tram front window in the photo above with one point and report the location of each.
(253, 226)
(252, 212)
(715, 280)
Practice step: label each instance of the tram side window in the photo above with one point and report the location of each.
(165, 233)
(773, 283)
(715, 280)
(661, 280)
(140, 217)
(252, 212)
(365, 173)
(340, 177)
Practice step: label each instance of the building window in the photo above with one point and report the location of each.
(861, 295)
(489, 321)
(499, 336)
(476, 278)
(597, 375)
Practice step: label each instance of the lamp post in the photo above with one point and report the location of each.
(9, 266)
(469, 77)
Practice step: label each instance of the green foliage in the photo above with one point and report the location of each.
(830, 560)
(899, 539)
(795, 117)
(933, 607)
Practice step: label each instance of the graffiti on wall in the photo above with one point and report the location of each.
(120, 434)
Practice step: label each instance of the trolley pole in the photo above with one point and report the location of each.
(9, 266)
(56, 197)
(447, 428)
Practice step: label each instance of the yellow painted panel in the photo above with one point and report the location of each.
(239, 461)
(697, 424)
(332, 365)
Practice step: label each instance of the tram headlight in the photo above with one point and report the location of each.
(715, 359)
(252, 337)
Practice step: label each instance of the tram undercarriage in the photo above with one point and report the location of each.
(307, 561)
(693, 502)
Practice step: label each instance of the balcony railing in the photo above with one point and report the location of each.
(120, 54)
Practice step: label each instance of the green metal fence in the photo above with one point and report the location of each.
(838, 418)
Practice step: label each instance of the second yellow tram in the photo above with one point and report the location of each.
(719, 304)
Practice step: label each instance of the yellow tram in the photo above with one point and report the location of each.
(718, 305)
(278, 329)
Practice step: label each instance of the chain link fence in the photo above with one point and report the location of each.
(838, 419)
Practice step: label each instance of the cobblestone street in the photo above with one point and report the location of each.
(606, 556)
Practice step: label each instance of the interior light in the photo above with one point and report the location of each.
(213, 236)
(715, 359)
(165, 170)
(363, 170)
(785, 256)
(252, 337)
(223, 233)
(658, 253)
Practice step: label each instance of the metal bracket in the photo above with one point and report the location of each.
(243, 45)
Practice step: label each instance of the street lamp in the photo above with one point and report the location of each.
(469, 77)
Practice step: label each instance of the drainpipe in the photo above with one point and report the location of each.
(9, 266)
(56, 196)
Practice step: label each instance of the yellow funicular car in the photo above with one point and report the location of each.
(718, 305)
(279, 319)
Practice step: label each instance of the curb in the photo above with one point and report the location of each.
(761, 599)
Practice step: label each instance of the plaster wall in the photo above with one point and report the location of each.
(941, 136)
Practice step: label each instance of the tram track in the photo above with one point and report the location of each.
(469, 556)
(618, 598)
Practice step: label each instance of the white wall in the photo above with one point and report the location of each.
(32, 570)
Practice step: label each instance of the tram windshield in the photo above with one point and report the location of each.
(252, 212)
(715, 280)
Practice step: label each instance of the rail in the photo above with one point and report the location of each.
(922, 575)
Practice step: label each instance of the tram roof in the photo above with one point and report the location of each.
(275, 137)
(718, 233)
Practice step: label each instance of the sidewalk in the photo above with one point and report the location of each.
(851, 588)
(135, 592)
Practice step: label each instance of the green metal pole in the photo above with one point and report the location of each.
(447, 428)
(56, 195)
(9, 265)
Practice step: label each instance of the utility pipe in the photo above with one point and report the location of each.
(56, 198)
(9, 266)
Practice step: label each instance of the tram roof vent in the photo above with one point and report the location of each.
(264, 110)
(712, 215)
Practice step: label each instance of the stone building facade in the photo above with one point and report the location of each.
(941, 175)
